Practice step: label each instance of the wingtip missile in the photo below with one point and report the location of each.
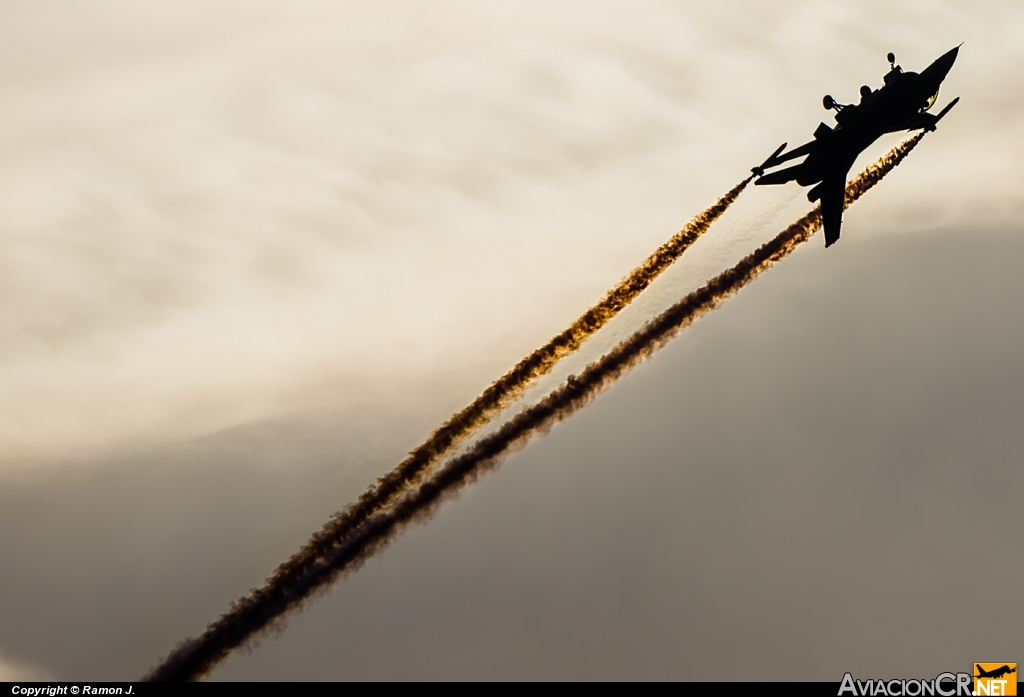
(770, 162)
(942, 113)
(946, 109)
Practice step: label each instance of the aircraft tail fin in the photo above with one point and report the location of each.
(833, 197)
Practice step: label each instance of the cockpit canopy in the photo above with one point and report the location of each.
(929, 102)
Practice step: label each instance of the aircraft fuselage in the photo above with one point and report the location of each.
(902, 103)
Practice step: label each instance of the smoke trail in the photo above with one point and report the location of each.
(193, 658)
(499, 394)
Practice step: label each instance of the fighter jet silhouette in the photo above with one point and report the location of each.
(995, 672)
(902, 103)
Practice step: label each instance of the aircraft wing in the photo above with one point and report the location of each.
(925, 121)
(833, 197)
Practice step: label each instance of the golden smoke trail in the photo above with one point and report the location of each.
(498, 395)
(193, 658)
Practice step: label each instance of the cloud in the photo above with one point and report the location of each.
(209, 217)
(11, 670)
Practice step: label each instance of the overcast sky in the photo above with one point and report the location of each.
(252, 254)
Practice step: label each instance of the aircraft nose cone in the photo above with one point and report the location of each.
(944, 62)
(935, 73)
